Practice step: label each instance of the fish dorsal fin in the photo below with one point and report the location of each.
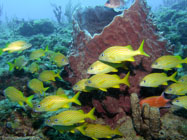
(129, 47)
(81, 111)
(178, 57)
(63, 95)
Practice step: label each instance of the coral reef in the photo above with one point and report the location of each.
(148, 122)
(99, 17)
(30, 28)
(57, 10)
(131, 27)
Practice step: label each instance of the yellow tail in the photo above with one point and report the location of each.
(91, 114)
(141, 51)
(11, 66)
(29, 100)
(58, 75)
(75, 99)
(125, 79)
(184, 60)
(172, 77)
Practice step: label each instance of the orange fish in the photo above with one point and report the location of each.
(114, 3)
(155, 101)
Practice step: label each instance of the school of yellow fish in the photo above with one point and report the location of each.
(109, 60)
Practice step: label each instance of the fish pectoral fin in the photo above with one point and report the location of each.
(72, 131)
(130, 59)
(179, 66)
(82, 121)
(20, 103)
(165, 83)
(66, 106)
(108, 137)
(116, 86)
(94, 138)
(103, 89)
(114, 70)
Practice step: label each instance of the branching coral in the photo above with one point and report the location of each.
(57, 10)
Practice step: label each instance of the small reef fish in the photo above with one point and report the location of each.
(19, 63)
(99, 67)
(34, 67)
(180, 101)
(157, 79)
(59, 59)
(183, 79)
(118, 54)
(104, 81)
(48, 75)
(17, 96)
(37, 86)
(177, 89)
(168, 62)
(155, 101)
(96, 131)
(55, 102)
(60, 91)
(80, 86)
(16, 46)
(114, 3)
(70, 117)
(36, 54)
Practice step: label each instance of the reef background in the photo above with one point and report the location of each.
(82, 39)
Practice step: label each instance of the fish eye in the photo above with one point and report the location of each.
(91, 68)
(38, 106)
(144, 81)
(62, 59)
(89, 82)
(156, 63)
(48, 120)
(170, 89)
(75, 86)
(177, 101)
(56, 120)
(102, 54)
(182, 80)
(107, 2)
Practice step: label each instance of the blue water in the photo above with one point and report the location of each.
(37, 9)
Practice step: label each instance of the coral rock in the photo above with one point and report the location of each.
(146, 120)
(130, 28)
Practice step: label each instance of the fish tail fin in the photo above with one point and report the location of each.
(125, 79)
(11, 66)
(46, 48)
(184, 60)
(91, 114)
(81, 128)
(117, 132)
(58, 75)
(1, 51)
(141, 51)
(75, 98)
(29, 100)
(45, 89)
(172, 77)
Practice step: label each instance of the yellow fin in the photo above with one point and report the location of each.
(114, 70)
(179, 57)
(130, 59)
(103, 89)
(179, 66)
(129, 47)
(66, 106)
(116, 86)
(82, 121)
(91, 114)
(165, 83)
(20, 103)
